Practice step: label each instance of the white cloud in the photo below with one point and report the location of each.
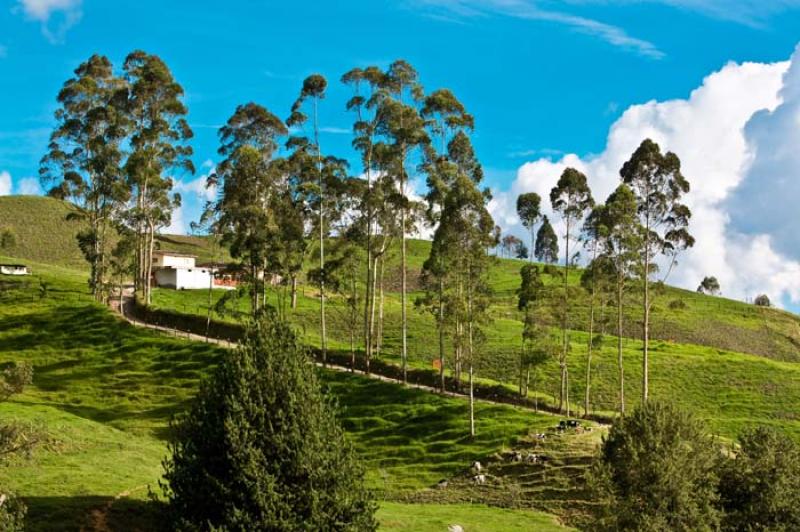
(177, 224)
(5, 183)
(198, 187)
(737, 137)
(458, 10)
(29, 186)
(55, 16)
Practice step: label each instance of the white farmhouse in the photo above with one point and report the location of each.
(14, 269)
(178, 271)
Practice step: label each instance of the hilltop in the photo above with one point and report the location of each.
(42, 233)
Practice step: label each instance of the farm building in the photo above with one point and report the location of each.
(178, 271)
(14, 269)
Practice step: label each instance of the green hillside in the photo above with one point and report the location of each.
(42, 234)
(40, 231)
(104, 391)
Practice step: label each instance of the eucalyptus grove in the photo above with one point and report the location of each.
(158, 147)
(85, 154)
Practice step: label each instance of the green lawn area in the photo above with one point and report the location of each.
(104, 391)
(396, 517)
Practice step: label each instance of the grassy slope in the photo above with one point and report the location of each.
(725, 385)
(41, 232)
(103, 392)
(43, 235)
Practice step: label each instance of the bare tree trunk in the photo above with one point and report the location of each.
(591, 336)
(646, 327)
(564, 323)
(149, 259)
(294, 291)
(403, 317)
(619, 349)
(471, 403)
(441, 335)
(381, 299)
(372, 307)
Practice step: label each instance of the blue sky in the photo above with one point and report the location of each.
(543, 78)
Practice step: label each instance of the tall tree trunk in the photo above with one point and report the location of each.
(564, 323)
(590, 347)
(619, 348)
(440, 325)
(646, 327)
(373, 305)
(149, 259)
(403, 316)
(381, 299)
(294, 291)
(323, 329)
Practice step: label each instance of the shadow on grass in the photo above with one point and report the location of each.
(90, 512)
(88, 363)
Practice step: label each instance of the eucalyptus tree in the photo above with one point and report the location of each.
(248, 179)
(466, 228)
(449, 152)
(546, 249)
(593, 233)
(530, 296)
(620, 241)
(367, 94)
(158, 148)
(313, 90)
(529, 211)
(658, 185)
(85, 155)
(403, 129)
(571, 198)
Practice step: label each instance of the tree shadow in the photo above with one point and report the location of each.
(88, 512)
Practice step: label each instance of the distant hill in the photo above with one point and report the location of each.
(684, 317)
(41, 233)
(40, 230)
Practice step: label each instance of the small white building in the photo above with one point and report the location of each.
(178, 271)
(14, 269)
(171, 259)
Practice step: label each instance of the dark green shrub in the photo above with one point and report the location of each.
(760, 487)
(260, 448)
(656, 471)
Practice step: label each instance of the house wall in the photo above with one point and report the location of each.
(183, 278)
(14, 270)
(193, 278)
(171, 261)
(166, 277)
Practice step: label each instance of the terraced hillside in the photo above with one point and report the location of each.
(104, 391)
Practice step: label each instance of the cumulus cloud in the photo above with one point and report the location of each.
(55, 16)
(737, 136)
(194, 195)
(29, 186)
(5, 183)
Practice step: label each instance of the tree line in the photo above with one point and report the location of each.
(632, 240)
(282, 201)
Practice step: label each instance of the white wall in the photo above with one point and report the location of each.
(193, 278)
(183, 278)
(172, 261)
